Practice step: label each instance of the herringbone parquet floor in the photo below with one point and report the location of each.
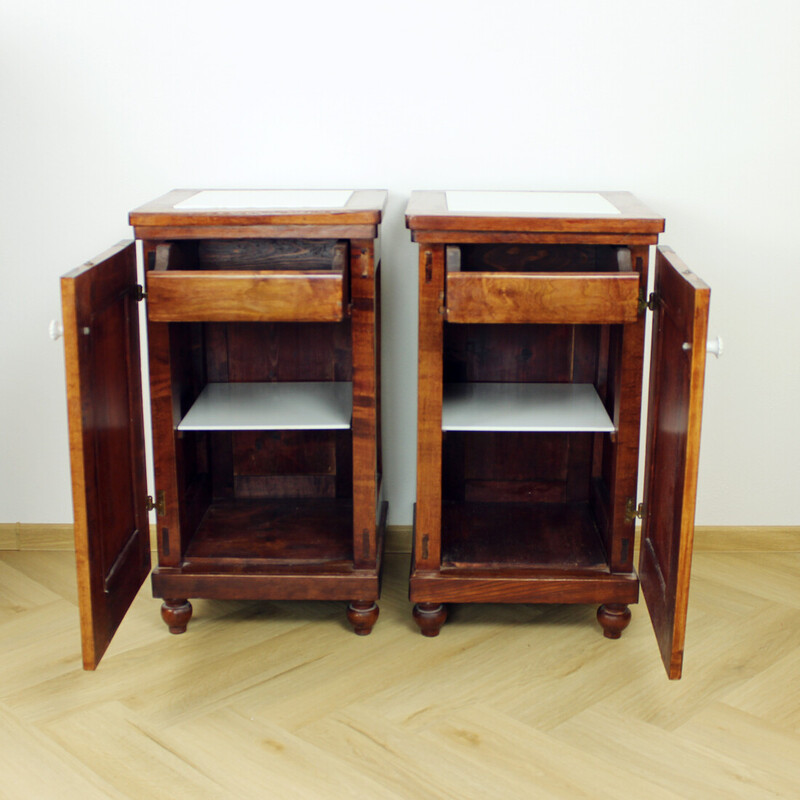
(280, 700)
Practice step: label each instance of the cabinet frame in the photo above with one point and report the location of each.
(113, 560)
(616, 301)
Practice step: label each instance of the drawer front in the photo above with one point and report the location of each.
(544, 298)
(248, 281)
(245, 296)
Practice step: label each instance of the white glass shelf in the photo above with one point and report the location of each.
(309, 405)
(554, 407)
(278, 199)
(546, 204)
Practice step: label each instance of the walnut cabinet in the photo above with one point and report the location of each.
(262, 313)
(532, 314)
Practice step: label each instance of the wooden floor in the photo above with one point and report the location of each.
(281, 700)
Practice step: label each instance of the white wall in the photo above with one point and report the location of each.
(693, 105)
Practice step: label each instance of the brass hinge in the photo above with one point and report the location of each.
(160, 505)
(632, 511)
(140, 293)
(651, 302)
(442, 307)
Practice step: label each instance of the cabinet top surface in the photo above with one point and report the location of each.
(595, 212)
(204, 207)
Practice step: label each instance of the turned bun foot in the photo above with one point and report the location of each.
(430, 617)
(613, 618)
(176, 613)
(362, 616)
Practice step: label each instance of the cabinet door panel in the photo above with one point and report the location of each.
(677, 371)
(104, 400)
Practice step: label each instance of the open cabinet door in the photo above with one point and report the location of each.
(677, 370)
(106, 440)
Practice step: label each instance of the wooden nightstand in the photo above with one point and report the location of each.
(531, 347)
(262, 329)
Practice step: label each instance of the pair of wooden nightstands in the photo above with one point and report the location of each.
(263, 329)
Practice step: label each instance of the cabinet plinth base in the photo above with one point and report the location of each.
(362, 616)
(430, 617)
(613, 618)
(176, 613)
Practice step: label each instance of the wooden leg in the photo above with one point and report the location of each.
(176, 613)
(430, 617)
(614, 618)
(362, 616)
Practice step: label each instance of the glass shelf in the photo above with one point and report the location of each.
(553, 407)
(311, 405)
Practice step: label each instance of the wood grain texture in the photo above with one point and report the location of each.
(427, 538)
(427, 210)
(435, 236)
(166, 388)
(192, 232)
(625, 366)
(364, 207)
(544, 298)
(673, 449)
(245, 296)
(104, 404)
(366, 356)
(278, 254)
(506, 701)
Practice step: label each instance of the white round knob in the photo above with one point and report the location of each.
(715, 346)
(55, 329)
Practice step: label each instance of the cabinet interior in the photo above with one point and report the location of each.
(269, 479)
(530, 496)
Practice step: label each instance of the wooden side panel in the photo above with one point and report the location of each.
(547, 298)
(104, 399)
(428, 521)
(622, 376)
(365, 404)
(245, 296)
(677, 373)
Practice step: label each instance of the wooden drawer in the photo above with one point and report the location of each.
(209, 282)
(540, 283)
(544, 298)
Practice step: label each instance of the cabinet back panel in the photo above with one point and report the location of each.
(537, 258)
(521, 353)
(279, 254)
(516, 467)
(279, 351)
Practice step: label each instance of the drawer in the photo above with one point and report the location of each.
(211, 282)
(544, 285)
(544, 298)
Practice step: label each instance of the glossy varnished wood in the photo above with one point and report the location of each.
(245, 296)
(522, 535)
(428, 211)
(539, 297)
(366, 357)
(104, 402)
(256, 295)
(673, 449)
(364, 207)
(241, 534)
(546, 298)
(427, 535)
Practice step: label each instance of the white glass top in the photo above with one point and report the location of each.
(271, 406)
(547, 204)
(551, 407)
(266, 198)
